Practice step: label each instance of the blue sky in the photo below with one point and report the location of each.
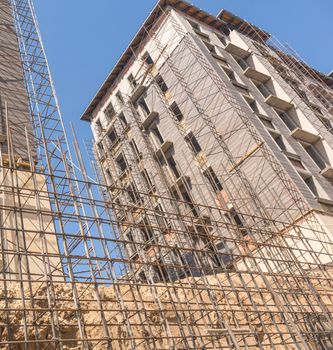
(84, 38)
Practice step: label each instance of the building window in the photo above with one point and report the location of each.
(101, 151)
(113, 137)
(210, 47)
(193, 142)
(146, 230)
(176, 111)
(263, 90)
(135, 149)
(242, 63)
(147, 58)
(123, 120)
(209, 173)
(161, 84)
(143, 105)
(108, 176)
(311, 185)
(287, 119)
(121, 162)
(173, 166)
(133, 194)
(109, 111)
(120, 97)
(195, 25)
(315, 155)
(238, 220)
(157, 134)
(147, 179)
(98, 128)
(189, 202)
(222, 40)
(160, 217)
(132, 81)
(280, 142)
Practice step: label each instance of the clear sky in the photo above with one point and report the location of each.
(84, 38)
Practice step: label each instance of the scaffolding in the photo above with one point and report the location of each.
(81, 282)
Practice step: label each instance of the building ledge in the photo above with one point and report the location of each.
(149, 119)
(303, 135)
(256, 75)
(220, 58)
(200, 33)
(137, 92)
(327, 172)
(279, 103)
(165, 146)
(237, 51)
(324, 201)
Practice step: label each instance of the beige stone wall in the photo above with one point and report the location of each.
(28, 227)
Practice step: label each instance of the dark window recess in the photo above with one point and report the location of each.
(280, 142)
(123, 120)
(142, 103)
(101, 150)
(173, 166)
(109, 111)
(132, 81)
(193, 142)
(148, 59)
(264, 90)
(311, 185)
(254, 106)
(176, 111)
(135, 148)
(209, 173)
(287, 119)
(133, 194)
(210, 47)
(160, 217)
(147, 178)
(157, 134)
(113, 137)
(146, 230)
(327, 123)
(231, 75)
(121, 162)
(222, 40)
(120, 97)
(161, 84)
(189, 202)
(99, 126)
(242, 63)
(108, 175)
(239, 222)
(175, 195)
(316, 156)
(267, 123)
(195, 25)
(129, 237)
(161, 272)
(297, 163)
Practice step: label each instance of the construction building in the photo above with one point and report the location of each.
(210, 110)
(208, 221)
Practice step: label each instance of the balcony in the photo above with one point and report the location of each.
(303, 135)
(149, 119)
(165, 146)
(137, 92)
(256, 75)
(279, 103)
(237, 51)
(327, 172)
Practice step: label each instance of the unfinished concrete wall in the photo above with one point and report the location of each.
(12, 89)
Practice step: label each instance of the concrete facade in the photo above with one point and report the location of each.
(207, 113)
